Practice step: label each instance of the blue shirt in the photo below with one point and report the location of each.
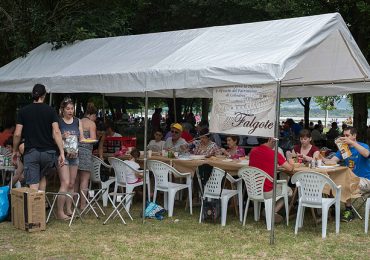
(361, 164)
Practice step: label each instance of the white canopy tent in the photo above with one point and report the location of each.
(307, 56)
(311, 56)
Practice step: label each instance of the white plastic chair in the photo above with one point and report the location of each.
(310, 185)
(121, 168)
(96, 178)
(213, 189)
(367, 209)
(162, 172)
(254, 180)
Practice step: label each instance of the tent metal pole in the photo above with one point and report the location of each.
(50, 98)
(174, 104)
(145, 153)
(103, 99)
(277, 121)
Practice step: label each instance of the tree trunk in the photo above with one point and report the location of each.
(205, 107)
(360, 115)
(305, 102)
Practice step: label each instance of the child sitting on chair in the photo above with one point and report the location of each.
(132, 176)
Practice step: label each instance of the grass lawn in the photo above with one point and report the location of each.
(183, 237)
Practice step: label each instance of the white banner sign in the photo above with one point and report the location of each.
(244, 110)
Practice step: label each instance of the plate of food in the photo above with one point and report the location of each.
(197, 157)
(328, 166)
(89, 141)
(245, 162)
(184, 158)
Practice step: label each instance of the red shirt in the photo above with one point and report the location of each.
(4, 136)
(262, 157)
(187, 136)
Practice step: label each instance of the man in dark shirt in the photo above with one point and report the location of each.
(38, 124)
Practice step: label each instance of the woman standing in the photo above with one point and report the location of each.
(85, 150)
(234, 151)
(71, 130)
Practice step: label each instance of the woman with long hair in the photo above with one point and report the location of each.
(85, 150)
(71, 130)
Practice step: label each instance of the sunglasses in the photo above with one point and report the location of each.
(174, 132)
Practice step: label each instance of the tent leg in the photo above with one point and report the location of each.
(277, 120)
(174, 105)
(50, 98)
(145, 152)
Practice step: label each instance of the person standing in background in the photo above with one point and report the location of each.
(38, 124)
(85, 151)
(156, 120)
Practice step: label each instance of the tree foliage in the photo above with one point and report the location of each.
(25, 24)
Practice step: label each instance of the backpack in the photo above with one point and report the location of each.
(211, 207)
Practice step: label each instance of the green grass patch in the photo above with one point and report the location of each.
(183, 237)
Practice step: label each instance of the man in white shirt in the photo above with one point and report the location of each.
(109, 131)
(175, 143)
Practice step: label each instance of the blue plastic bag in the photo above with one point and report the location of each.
(153, 210)
(4, 203)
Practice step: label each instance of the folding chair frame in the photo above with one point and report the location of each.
(98, 194)
(126, 197)
(363, 199)
(69, 195)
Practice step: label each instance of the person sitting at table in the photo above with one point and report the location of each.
(18, 175)
(234, 151)
(132, 176)
(305, 150)
(359, 162)
(175, 143)
(98, 148)
(7, 133)
(204, 146)
(157, 144)
(109, 132)
(186, 132)
(262, 157)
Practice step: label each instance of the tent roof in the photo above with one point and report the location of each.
(310, 55)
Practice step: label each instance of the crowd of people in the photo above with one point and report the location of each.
(43, 140)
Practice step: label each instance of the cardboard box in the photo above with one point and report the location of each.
(28, 209)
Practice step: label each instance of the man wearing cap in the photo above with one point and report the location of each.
(175, 143)
(38, 124)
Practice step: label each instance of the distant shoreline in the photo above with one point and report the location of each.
(329, 120)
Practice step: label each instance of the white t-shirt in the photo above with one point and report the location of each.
(174, 146)
(155, 146)
(130, 175)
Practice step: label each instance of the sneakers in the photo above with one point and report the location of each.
(347, 215)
